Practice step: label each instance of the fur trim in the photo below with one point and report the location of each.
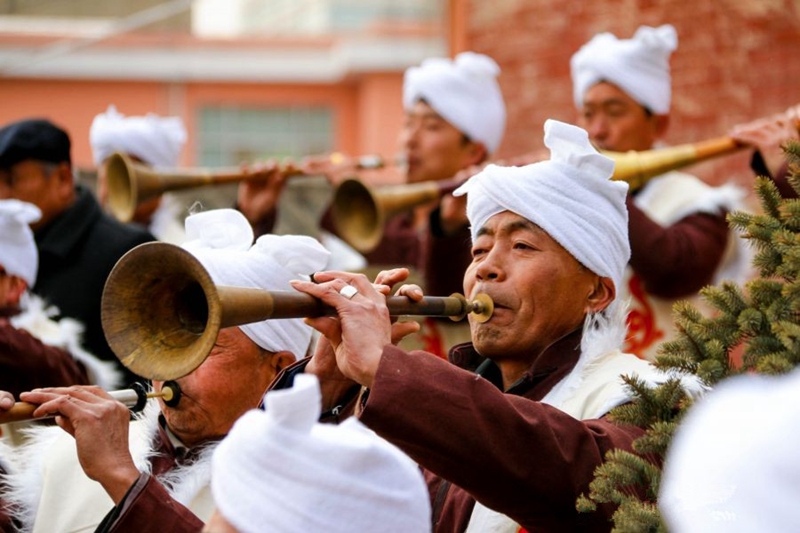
(26, 465)
(66, 333)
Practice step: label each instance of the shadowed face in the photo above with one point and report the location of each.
(48, 186)
(434, 149)
(231, 380)
(617, 122)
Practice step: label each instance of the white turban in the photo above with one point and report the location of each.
(464, 92)
(733, 465)
(222, 240)
(281, 470)
(571, 197)
(639, 66)
(155, 140)
(18, 254)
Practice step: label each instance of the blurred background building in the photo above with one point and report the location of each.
(259, 78)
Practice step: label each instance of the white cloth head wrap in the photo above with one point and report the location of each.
(464, 92)
(570, 197)
(18, 254)
(222, 240)
(639, 66)
(281, 470)
(733, 464)
(155, 140)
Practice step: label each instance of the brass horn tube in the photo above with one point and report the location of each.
(359, 211)
(637, 168)
(161, 312)
(133, 398)
(131, 183)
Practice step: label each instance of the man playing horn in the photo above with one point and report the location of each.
(523, 436)
(454, 119)
(153, 474)
(679, 238)
(152, 140)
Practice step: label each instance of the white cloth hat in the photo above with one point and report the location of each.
(18, 254)
(571, 197)
(222, 240)
(464, 92)
(639, 66)
(281, 470)
(733, 465)
(155, 140)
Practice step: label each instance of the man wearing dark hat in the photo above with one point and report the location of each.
(78, 244)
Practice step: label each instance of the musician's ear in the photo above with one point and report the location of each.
(661, 125)
(601, 296)
(281, 360)
(477, 153)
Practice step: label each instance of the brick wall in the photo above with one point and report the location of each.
(736, 60)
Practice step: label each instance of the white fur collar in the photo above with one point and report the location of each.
(36, 319)
(26, 465)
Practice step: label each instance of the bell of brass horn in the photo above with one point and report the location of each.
(637, 168)
(161, 312)
(359, 212)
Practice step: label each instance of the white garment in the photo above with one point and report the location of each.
(283, 468)
(155, 140)
(464, 91)
(590, 391)
(666, 200)
(50, 493)
(733, 465)
(18, 253)
(222, 240)
(639, 66)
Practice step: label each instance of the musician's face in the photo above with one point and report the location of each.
(615, 121)
(11, 289)
(433, 148)
(231, 380)
(541, 293)
(45, 185)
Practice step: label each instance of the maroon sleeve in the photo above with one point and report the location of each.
(445, 258)
(520, 457)
(147, 507)
(27, 363)
(680, 259)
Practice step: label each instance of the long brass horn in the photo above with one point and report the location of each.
(637, 168)
(359, 211)
(161, 312)
(131, 183)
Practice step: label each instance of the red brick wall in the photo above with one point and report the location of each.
(736, 60)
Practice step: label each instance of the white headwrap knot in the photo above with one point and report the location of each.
(571, 197)
(155, 140)
(283, 469)
(222, 240)
(18, 254)
(464, 92)
(639, 66)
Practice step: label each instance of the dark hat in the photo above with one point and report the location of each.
(33, 139)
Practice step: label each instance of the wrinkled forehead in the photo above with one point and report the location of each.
(506, 222)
